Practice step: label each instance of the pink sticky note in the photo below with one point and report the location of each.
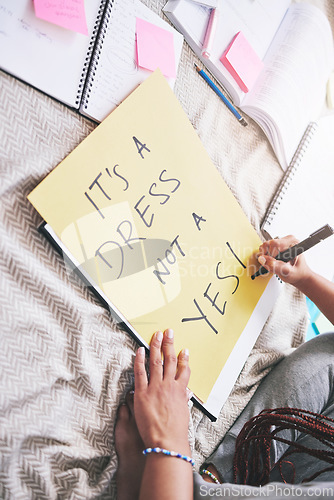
(242, 62)
(69, 14)
(155, 48)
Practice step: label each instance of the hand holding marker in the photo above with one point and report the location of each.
(292, 252)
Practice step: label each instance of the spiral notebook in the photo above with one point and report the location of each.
(92, 74)
(304, 200)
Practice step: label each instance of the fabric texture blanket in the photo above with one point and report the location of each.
(65, 366)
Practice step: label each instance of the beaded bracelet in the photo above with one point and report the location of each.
(169, 454)
(208, 473)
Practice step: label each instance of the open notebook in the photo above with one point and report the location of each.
(295, 44)
(304, 201)
(92, 74)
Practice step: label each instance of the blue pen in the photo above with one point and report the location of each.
(221, 95)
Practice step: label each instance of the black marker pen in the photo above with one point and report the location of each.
(292, 252)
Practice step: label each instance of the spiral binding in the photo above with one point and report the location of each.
(93, 53)
(286, 181)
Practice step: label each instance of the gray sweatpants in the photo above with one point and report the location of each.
(303, 380)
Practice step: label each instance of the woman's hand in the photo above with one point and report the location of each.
(297, 273)
(161, 402)
(294, 272)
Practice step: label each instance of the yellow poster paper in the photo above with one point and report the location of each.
(141, 207)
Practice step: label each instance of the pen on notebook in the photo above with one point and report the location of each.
(221, 95)
(210, 33)
(292, 252)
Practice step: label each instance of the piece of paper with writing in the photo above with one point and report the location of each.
(141, 206)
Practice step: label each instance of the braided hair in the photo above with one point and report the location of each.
(252, 463)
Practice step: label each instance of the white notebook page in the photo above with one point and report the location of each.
(291, 89)
(117, 74)
(308, 203)
(47, 56)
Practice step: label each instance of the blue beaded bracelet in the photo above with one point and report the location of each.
(169, 454)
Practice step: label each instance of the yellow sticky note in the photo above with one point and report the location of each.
(141, 206)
